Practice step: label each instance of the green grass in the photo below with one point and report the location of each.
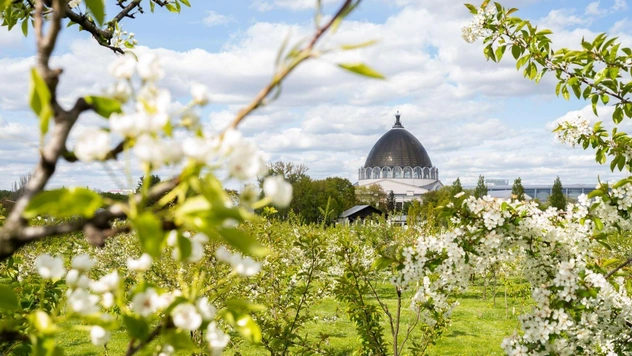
(478, 327)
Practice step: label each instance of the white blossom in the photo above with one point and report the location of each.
(216, 339)
(185, 316)
(245, 161)
(200, 94)
(107, 283)
(74, 3)
(149, 68)
(278, 190)
(75, 279)
(123, 67)
(146, 303)
(571, 130)
(82, 302)
(99, 335)
(50, 267)
(141, 264)
(206, 310)
(200, 149)
(93, 145)
(107, 300)
(121, 91)
(243, 266)
(157, 152)
(166, 350)
(82, 262)
(247, 267)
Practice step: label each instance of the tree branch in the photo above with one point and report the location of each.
(281, 74)
(618, 268)
(96, 228)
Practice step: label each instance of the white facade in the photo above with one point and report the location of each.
(404, 189)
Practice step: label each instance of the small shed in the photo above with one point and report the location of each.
(358, 212)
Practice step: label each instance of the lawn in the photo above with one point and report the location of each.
(478, 327)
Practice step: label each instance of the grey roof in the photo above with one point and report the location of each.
(354, 210)
(398, 147)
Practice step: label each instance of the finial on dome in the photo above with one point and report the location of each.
(397, 123)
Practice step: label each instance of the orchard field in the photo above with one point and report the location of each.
(302, 292)
(318, 292)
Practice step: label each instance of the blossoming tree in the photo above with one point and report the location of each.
(580, 306)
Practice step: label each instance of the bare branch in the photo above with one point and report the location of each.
(618, 268)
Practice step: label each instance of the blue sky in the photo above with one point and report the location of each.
(473, 117)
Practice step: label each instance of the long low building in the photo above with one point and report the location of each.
(543, 191)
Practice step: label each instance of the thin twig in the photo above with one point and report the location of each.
(303, 54)
(619, 267)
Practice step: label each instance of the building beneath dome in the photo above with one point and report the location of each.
(399, 163)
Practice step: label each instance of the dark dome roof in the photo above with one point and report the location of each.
(398, 147)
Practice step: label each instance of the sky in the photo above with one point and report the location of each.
(474, 117)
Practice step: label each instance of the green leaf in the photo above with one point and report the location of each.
(516, 51)
(186, 2)
(4, 4)
(8, 299)
(97, 7)
(472, 8)
(172, 8)
(605, 99)
(64, 203)
(39, 95)
(104, 106)
(248, 328)
(617, 116)
(565, 92)
(243, 242)
(598, 223)
(137, 327)
(361, 69)
(358, 45)
(150, 233)
(595, 193)
(25, 27)
(184, 246)
(382, 262)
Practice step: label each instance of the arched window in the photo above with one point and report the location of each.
(386, 172)
(417, 173)
(367, 173)
(361, 173)
(397, 172)
(376, 172)
(426, 174)
(408, 172)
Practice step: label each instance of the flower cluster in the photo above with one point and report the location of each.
(577, 311)
(572, 130)
(244, 266)
(82, 297)
(476, 28)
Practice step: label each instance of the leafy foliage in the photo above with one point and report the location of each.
(481, 189)
(517, 190)
(557, 198)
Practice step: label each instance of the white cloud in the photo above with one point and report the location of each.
(295, 5)
(450, 97)
(595, 9)
(213, 19)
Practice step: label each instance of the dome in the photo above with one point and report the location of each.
(398, 147)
